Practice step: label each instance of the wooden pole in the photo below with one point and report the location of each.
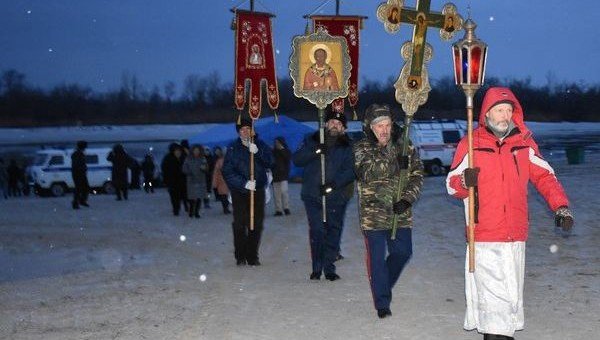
(251, 178)
(471, 225)
(322, 141)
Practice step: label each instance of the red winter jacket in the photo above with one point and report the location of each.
(506, 168)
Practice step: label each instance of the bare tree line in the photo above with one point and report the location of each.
(207, 98)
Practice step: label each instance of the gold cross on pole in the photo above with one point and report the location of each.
(393, 12)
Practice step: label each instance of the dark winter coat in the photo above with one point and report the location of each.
(148, 168)
(195, 170)
(236, 167)
(339, 169)
(78, 166)
(173, 177)
(281, 168)
(121, 162)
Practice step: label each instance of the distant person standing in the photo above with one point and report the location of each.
(173, 178)
(148, 169)
(211, 167)
(136, 171)
(218, 182)
(236, 171)
(79, 174)
(14, 177)
(195, 169)
(281, 173)
(185, 148)
(121, 162)
(3, 179)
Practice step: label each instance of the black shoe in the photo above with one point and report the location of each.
(85, 204)
(332, 277)
(176, 213)
(227, 212)
(254, 262)
(384, 313)
(315, 276)
(287, 211)
(197, 216)
(241, 262)
(278, 213)
(75, 206)
(496, 337)
(119, 199)
(339, 257)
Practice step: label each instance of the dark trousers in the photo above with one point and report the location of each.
(176, 196)
(121, 193)
(324, 237)
(81, 191)
(245, 241)
(385, 271)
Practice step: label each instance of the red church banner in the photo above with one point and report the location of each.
(347, 27)
(254, 62)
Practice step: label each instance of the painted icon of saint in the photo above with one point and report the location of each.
(394, 16)
(255, 57)
(320, 76)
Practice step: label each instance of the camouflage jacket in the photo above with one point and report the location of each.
(378, 176)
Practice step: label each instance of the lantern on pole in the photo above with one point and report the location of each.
(469, 56)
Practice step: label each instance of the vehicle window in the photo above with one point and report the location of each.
(40, 159)
(91, 159)
(451, 136)
(56, 160)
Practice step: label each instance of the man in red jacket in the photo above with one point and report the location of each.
(506, 158)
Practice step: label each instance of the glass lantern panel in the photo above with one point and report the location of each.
(465, 65)
(475, 64)
(457, 66)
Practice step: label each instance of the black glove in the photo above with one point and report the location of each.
(320, 149)
(563, 218)
(326, 189)
(401, 206)
(402, 162)
(469, 177)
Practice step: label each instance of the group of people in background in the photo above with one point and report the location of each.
(13, 182)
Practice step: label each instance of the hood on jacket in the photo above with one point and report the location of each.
(495, 95)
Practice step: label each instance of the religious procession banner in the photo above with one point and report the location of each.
(254, 62)
(320, 68)
(349, 28)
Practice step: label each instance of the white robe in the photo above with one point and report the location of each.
(494, 292)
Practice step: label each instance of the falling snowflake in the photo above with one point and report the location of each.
(182, 238)
(202, 277)
(277, 51)
(28, 11)
(491, 18)
(50, 50)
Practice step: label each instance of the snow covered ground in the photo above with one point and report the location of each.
(120, 270)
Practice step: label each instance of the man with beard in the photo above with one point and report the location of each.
(380, 166)
(339, 185)
(236, 171)
(505, 159)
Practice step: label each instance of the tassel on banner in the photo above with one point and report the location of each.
(276, 117)
(355, 116)
(239, 118)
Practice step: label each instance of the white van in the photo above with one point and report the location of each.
(436, 141)
(51, 170)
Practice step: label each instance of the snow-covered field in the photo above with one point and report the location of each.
(120, 270)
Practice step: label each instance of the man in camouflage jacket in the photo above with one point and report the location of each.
(378, 162)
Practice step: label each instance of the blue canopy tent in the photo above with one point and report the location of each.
(267, 130)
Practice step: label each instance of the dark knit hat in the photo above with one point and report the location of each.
(331, 114)
(81, 145)
(503, 101)
(243, 122)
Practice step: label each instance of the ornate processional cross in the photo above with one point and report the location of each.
(392, 13)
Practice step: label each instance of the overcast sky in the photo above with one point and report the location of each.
(92, 42)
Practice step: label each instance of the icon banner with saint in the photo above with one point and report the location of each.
(254, 62)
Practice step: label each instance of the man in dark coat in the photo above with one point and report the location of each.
(14, 176)
(339, 177)
(236, 171)
(79, 174)
(281, 174)
(148, 168)
(121, 162)
(173, 177)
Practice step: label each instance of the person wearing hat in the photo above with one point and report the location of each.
(506, 159)
(378, 163)
(236, 171)
(79, 174)
(339, 178)
(173, 177)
